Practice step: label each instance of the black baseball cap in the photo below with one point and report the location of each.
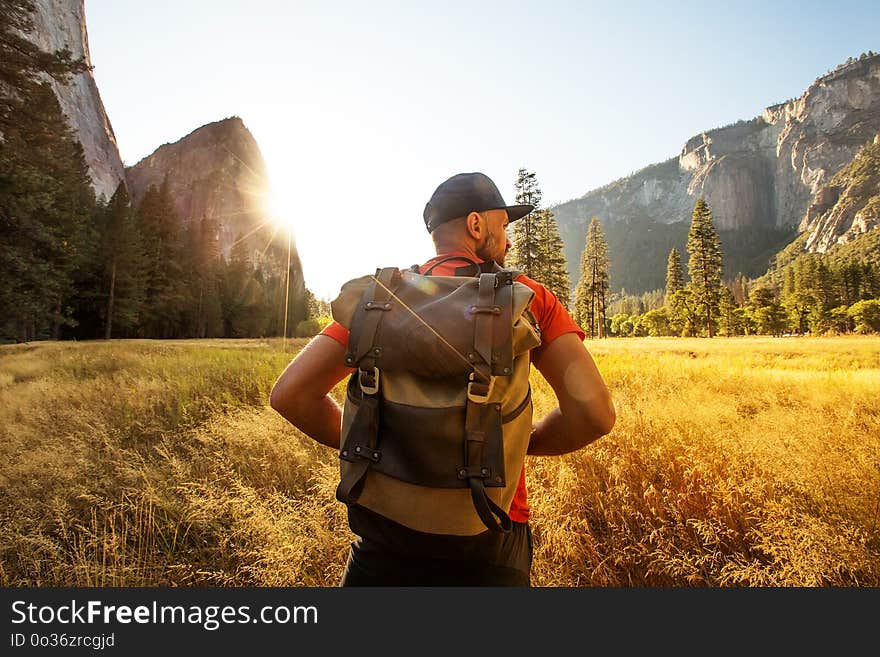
(465, 193)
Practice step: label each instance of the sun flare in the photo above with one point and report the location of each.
(280, 210)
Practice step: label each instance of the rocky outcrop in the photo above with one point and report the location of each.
(757, 175)
(849, 205)
(217, 172)
(822, 131)
(61, 24)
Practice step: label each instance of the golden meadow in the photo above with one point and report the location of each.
(734, 462)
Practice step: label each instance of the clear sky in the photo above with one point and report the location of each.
(362, 108)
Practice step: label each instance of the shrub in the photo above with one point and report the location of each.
(311, 327)
(866, 315)
(655, 322)
(621, 325)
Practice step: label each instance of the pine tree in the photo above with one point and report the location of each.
(538, 250)
(167, 296)
(208, 277)
(727, 317)
(674, 275)
(766, 312)
(45, 193)
(46, 203)
(684, 315)
(740, 289)
(551, 268)
(122, 262)
(242, 297)
(870, 281)
(592, 288)
(203, 265)
(704, 264)
(525, 255)
(22, 63)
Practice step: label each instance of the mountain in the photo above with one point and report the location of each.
(760, 177)
(849, 205)
(60, 25)
(218, 172)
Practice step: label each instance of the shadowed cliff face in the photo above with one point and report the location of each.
(759, 175)
(849, 205)
(58, 25)
(218, 172)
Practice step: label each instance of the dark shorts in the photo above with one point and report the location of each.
(370, 564)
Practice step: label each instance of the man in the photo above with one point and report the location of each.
(466, 218)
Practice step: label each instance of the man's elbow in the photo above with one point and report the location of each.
(275, 397)
(600, 418)
(607, 418)
(280, 399)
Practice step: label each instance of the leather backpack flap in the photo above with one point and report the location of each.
(421, 291)
(430, 328)
(526, 333)
(343, 307)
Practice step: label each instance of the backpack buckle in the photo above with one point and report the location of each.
(476, 395)
(503, 278)
(369, 381)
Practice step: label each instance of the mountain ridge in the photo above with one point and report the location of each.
(758, 175)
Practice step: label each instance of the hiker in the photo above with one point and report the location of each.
(488, 541)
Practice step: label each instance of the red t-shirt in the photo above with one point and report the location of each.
(553, 320)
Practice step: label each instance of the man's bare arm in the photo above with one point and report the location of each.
(585, 411)
(300, 394)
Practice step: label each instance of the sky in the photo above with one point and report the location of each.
(361, 109)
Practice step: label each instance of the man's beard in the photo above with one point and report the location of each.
(490, 241)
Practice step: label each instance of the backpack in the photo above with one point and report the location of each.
(438, 414)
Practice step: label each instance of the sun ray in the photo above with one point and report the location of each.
(224, 215)
(254, 230)
(254, 173)
(275, 229)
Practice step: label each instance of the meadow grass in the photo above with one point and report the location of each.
(734, 462)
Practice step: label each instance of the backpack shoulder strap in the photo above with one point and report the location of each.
(448, 259)
(375, 301)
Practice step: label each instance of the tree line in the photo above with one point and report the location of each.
(816, 293)
(76, 266)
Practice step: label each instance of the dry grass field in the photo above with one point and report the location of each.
(734, 462)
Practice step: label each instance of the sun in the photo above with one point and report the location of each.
(279, 209)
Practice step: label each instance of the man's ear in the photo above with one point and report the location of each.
(474, 223)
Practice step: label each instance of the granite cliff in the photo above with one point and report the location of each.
(848, 206)
(61, 24)
(217, 171)
(760, 177)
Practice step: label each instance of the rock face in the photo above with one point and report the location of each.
(217, 172)
(755, 175)
(59, 24)
(849, 205)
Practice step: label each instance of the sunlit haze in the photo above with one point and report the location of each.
(360, 109)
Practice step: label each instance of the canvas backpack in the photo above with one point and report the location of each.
(438, 413)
